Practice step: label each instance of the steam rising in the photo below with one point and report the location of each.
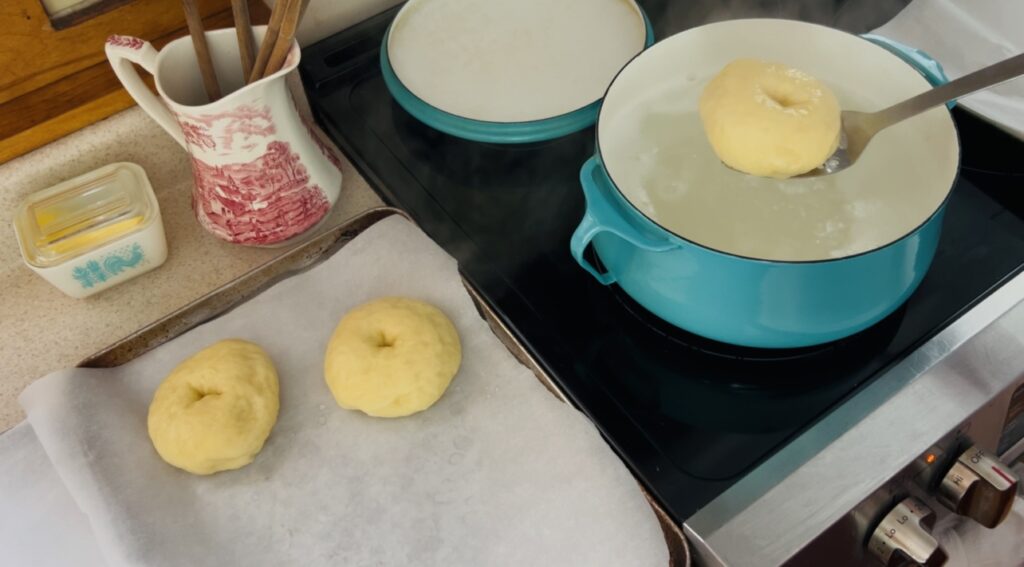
(855, 16)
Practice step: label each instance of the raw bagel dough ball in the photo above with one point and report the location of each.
(214, 410)
(392, 357)
(768, 119)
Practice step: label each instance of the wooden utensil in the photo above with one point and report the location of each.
(269, 40)
(246, 42)
(285, 36)
(195, 29)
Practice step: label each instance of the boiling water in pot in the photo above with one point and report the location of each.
(657, 154)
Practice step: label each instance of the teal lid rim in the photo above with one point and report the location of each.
(493, 132)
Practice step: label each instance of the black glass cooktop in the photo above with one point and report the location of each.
(688, 415)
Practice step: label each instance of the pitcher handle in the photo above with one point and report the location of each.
(600, 216)
(122, 51)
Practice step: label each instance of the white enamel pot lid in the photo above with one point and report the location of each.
(511, 61)
(652, 143)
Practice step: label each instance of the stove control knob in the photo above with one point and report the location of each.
(903, 536)
(980, 487)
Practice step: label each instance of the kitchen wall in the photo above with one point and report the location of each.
(324, 17)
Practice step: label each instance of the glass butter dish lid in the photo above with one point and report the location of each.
(82, 214)
(94, 231)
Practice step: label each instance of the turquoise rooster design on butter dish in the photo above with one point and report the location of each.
(96, 272)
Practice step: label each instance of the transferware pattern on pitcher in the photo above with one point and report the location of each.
(261, 174)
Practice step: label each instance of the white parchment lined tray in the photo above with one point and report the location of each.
(498, 472)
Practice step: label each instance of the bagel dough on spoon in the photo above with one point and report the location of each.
(392, 357)
(215, 410)
(770, 120)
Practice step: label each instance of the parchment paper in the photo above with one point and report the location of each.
(36, 509)
(964, 36)
(498, 472)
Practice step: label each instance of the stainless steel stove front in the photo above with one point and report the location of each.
(910, 434)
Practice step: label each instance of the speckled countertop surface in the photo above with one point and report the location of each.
(41, 329)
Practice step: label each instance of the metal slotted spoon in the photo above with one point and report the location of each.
(859, 127)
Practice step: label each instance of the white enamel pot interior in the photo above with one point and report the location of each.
(649, 115)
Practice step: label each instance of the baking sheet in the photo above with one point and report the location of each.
(499, 472)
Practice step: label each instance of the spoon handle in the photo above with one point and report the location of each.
(981, 79)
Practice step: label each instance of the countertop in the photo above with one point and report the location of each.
(41, 329)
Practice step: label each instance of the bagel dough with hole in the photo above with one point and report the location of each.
(392, 357)
(215, 410)
(770, 120)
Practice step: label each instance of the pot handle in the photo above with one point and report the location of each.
(601, 216)
(925, 64)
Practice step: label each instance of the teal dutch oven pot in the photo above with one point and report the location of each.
(488, 131)
(748, 301)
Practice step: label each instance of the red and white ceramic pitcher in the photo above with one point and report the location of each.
(262, 176)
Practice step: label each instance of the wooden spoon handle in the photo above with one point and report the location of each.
(243, 29)
(284, 37)
(195, 29)
(269, 40)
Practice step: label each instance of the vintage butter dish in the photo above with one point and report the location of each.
(94, 231)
